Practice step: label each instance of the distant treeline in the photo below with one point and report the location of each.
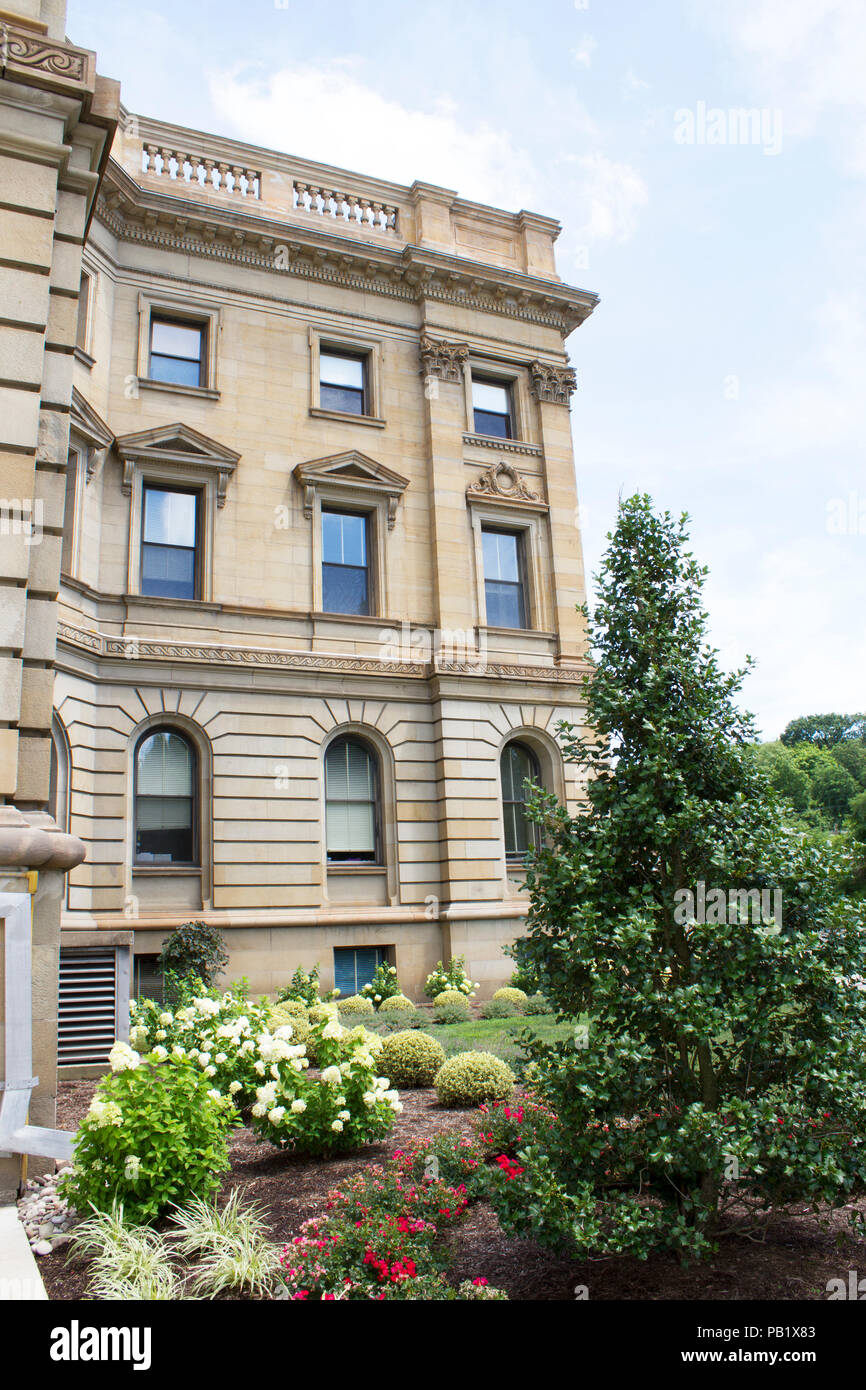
(819, 767)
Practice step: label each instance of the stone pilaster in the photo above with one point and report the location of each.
(57, 119)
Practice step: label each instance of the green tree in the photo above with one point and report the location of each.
(833, 788)
(786, 776)
(725, 1061)
(825, 730)
(852, 756)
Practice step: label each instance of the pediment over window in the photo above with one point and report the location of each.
(352, 475)
(178, 445)
(85, 420)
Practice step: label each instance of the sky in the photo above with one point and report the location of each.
(724, 370)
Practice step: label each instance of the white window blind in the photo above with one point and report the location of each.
(165, 766)
(350, 799)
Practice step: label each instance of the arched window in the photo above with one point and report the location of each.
(166, 799)
(518, 766)
(352, 803)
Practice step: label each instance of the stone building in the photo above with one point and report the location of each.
(320, 561)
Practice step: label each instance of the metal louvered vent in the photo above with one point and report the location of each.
(87, 1012)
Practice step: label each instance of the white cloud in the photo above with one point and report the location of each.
(582, 55)
(329, 114)
(807, 57)
(609, 196)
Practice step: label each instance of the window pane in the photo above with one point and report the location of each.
(165, 765)
(517, 768)
(344, 590)
(343, 399)
(504, 604)
(83, 306)
(164, 803)
(167, 572)
(501, 555)
(341, 371)
(170, 517)
(176, 370)
(176, 340)
(486, 396)
(350, 801)
(344, 538)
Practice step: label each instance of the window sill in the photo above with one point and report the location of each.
(372, 618)
(346, 417)
(510, 631)
(355, 868)
(161, 601)
(508, 446)
(176, 389)
(149, 870)
(83, 357)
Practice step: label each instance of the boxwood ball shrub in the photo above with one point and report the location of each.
(395, 1002)
(499, 1008)
(473, 1077)
(514, 996)
(288, 1010)
(356, 1004)
(411, 1059)
(450, 996)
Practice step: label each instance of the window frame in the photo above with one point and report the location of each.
(329, 507)
(151, 484)
(521, 583)
(507, 385)
(83, 348)
(181, 866)
(157, 318)
(354, 864)
(517, 858)
(348, 345)
(186, 312)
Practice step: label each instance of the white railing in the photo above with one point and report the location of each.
(343, 206)
(215, 175)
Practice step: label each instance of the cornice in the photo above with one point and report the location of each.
(137, 649)
(232, 234)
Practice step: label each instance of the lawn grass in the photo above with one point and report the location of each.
(496, 1035)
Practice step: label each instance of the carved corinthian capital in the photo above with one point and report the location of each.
(553, 384)
(442, 359)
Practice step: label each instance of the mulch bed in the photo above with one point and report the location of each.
(793, 1261)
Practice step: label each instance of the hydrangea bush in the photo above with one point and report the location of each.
(384, 985)
(343, 1107)
(155, 1135)
(239, 1056)
(451, 976)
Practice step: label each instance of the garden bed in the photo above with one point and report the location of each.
(793, 1262)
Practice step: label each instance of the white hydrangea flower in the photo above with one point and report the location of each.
(298, 1107)
(234, 1087)
(214, 1094)
(161, 1035)
(344, 1115)
(131, 1167)
(165, 1019)
(276, 1114)
(331, 1076)
(220, 1058)
(123, 1058)
(369, 1098)
(259, 1110)
(333, 1029)
(210, 1071)
(160, 1052)
(337, 1126)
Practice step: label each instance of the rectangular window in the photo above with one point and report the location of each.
(345, 572)
(342, 383)
(83, 311)
(491, 405)
(355, 966)
(504, 588)
(148, 981)
(169, 543)
(177, 352)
